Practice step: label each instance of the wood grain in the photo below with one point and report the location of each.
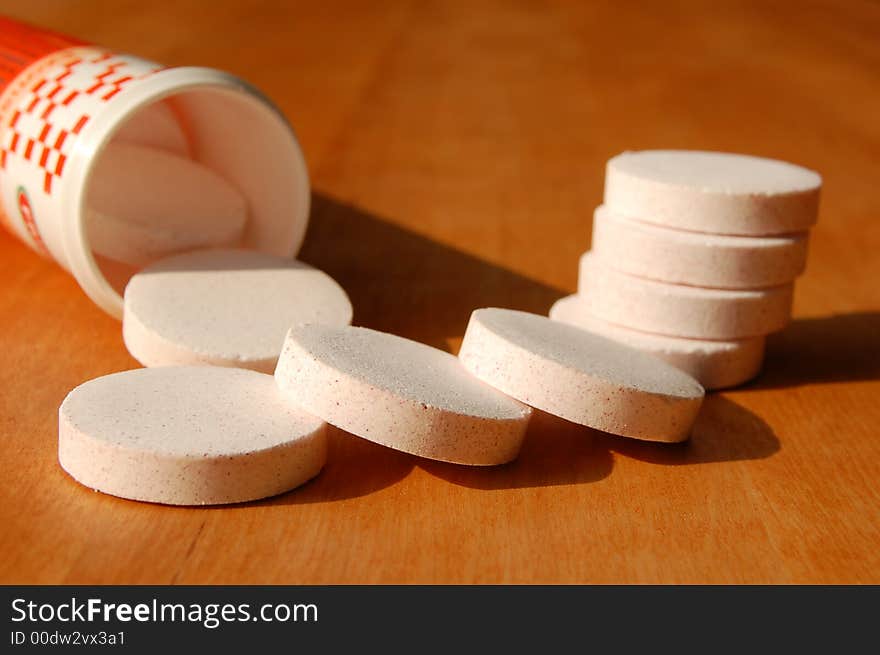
(457, 152)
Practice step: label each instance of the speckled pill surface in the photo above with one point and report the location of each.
(188, 436)
(225, 308)
(714, 364)
(580, 376)
(695, 258)
(399, 393)
(144, 203)
(682, 311)
(721, 193)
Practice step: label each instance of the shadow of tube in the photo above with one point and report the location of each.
(407, 284)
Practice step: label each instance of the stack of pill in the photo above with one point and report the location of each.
(694, 257)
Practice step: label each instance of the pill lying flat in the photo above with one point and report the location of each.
(188, 436)
(714, 192)
(145, 203)
(714, 364)
(154, 125)
(399, 393)
(698, 259)
(225, 308)
(580, 376)
(682, 311)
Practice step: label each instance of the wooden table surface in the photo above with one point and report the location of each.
(457, 153)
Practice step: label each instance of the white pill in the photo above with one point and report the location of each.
(679, 310)
(156, 126)
(580, 376)
(714, 364)
(399, 393)
(225, 308)
(188, 436)
(145, 203)
(698, 259)
(715, 192)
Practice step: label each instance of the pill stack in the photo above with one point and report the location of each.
(694, 257)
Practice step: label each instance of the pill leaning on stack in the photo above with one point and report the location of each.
(693, 249)
(582, 377)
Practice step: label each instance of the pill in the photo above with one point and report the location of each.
(715, 192)
(703, 260)
(224, 307)
(714, 364)
(154, 125)
(399, 393)
(188, 436)
(580, 376)
(679, 310)
(143, 203)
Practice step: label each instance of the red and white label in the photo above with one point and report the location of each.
(51, 87)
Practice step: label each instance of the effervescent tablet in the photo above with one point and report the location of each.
(225, 307)
(696, 258)
(580, 376)
(399, 393)
(714, 364)
(144, 203)
(188, 436)
(680, 310)
(716, 192)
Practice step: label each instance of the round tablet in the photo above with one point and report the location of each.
(195, 435)
(714, 364)
(682, 311)
(714, 192)
(225, 308)
(580, 376)
(399, 393)
(144, 203)
(703, 260)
